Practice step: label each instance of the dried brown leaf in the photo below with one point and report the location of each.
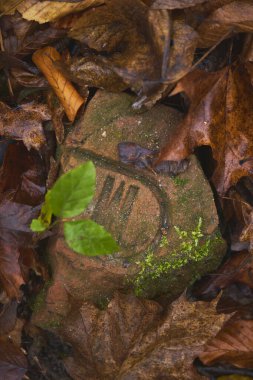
(134, 59)
(232, 18)
(70, 99)
(24, 123)
(45, 11)
(22, 187)
(22, 37)
(131, 339)
(232, 345)
(220, 116)
(238, 268)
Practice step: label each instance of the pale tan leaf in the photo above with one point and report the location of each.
(45, 11)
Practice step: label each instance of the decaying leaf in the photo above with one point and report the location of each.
(132, 339)
(45, 11)
(22, 37)
(232, 345)
(24, 123)
(13, 363)
(231, 18)
(70, 99)
(220, 115)
(132, 59)
(237, 269)
(22, 188)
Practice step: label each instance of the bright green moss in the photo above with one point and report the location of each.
(194, 247)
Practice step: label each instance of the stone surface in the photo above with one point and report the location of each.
(138, 207)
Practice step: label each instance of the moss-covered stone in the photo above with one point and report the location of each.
(139, 207)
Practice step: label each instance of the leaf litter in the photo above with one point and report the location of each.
(157, 49)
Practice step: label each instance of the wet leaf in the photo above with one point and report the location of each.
(24, 123)
(22, 37)
(13, 363)
(232, 345)
(220, 116)
(238, 268)
(21, 190)
(130, 338)
(133, 59)
(231, 18)
(70, 99)
(237, 297)
(45, 11)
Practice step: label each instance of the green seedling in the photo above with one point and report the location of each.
(68, 198)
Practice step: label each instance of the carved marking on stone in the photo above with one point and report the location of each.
(118, 203)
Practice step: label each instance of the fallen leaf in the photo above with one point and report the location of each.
(22, 188)
(232, 18)
(220, 115)
(13, 363)
(70, 99)
(45, 11)
(238, 268)
(132, 338)
(24, 123)
(22, 37)
(232, 345)
(236, 297)
(132, 59)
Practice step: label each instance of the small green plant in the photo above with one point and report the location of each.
(180, 181)
(191, 249)
(69, 197)
(164, 242)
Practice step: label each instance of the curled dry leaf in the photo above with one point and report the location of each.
(131, 338)
(132, 59)
(45, 11)
(221, 116)
(13, 363)
(70, 99)
(24, 123)
(232, 18)
(232, 345)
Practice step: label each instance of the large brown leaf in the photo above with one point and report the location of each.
(232, 345)
(231, 18)
(45, 10)
(221, 116)
(132, 58)
(131, 339)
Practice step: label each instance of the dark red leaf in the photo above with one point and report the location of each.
(13, 363)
